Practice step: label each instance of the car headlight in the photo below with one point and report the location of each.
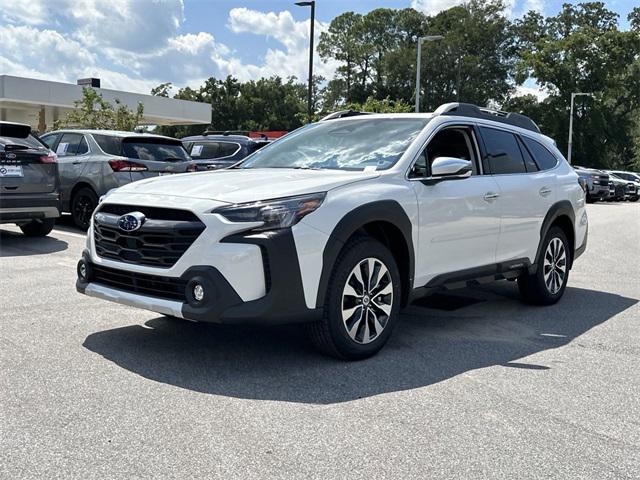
(274, 214)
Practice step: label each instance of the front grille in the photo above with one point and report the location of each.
(151, 285)
(160, 242)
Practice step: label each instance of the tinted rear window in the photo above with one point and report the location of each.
(30, 142)
(210, 150)
(14, 130)
(503, 153)
(544, 157)
(110, 145)
(155, 149)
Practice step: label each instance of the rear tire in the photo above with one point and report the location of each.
(362, 304)
(83, 203)
(547, 285)
(38, 228)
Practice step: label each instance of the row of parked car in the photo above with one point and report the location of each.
(89, 163)
(609, 185)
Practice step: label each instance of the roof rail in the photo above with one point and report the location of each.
(243, 133)
(470, 110)
(343, 114)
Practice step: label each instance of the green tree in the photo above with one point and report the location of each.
(94, 112)
(582, 50)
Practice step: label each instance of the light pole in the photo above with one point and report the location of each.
(573, 96)
(312, 4)
(428, 38)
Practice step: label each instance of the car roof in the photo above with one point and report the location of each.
(218, 137)
(111, 133)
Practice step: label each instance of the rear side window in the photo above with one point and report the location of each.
(227, 149)
(51, 139)
(155, 149)
(30, 142)
(544, 158)
(503, 153)
(210, 150)
(529, 162)
(109, 145)
(70, 144)
(204, 150)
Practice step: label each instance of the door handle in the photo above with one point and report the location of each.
(75, 163)
(544, 191)
(490, 196)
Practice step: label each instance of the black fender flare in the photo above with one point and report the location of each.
(559, 209)
(383, 210)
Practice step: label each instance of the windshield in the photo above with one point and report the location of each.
(352, 144)
(154, 149)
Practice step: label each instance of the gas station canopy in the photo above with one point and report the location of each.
(40, 102)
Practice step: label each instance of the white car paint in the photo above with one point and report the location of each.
(457, 224)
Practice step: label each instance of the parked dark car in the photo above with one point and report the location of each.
(92, 162)
(215, 151)
(632, 191)
(621, 188)
(28, 181)
(597, 183)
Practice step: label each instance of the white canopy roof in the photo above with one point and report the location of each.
(24, 100)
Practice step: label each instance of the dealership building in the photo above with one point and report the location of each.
(39, 103)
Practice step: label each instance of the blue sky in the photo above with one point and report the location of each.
(137, 44)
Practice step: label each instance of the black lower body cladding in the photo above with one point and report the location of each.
(283, 303)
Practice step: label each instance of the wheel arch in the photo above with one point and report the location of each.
(81, 184)
(384, 220)
(560, 214)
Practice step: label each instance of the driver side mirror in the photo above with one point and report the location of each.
(449, 168)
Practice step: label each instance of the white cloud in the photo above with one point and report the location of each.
(23, 12)
(282, 27)
(433, 7)
(137, 44)
(535, 90)
(133, 25)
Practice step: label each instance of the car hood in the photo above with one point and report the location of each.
(246, 185)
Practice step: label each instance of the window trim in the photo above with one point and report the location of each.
(533, 156)
(86, 154)
(217, 158)
(453, 124)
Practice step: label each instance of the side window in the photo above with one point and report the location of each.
(227, 149)
(204, 150)
(503, 153)
(529, 162)
(50, 139)
(109, 145)
(454, 142)
(544, 158)
(69, 144)
(83, 147)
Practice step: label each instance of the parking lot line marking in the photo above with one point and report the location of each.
(71, 234)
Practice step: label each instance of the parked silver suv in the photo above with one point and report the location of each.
(92, 162)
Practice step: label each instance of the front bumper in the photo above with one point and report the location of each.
(25, 207)
(283, 303)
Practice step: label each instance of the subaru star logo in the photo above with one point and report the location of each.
(131, 222)
(10, 156)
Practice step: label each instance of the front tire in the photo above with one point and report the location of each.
(83, 203)
(38, 228)
(362, 304)
(547, 285)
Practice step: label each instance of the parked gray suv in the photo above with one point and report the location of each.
(92, 162)
(28, 181)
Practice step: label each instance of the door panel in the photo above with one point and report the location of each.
(524, 201)
(72, 154)
(459, 228)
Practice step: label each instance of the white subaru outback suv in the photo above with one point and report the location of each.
(342, 223)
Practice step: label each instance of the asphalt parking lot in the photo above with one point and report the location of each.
(477, 385)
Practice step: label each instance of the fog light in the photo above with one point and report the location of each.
(83, 270)
(198, 292)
